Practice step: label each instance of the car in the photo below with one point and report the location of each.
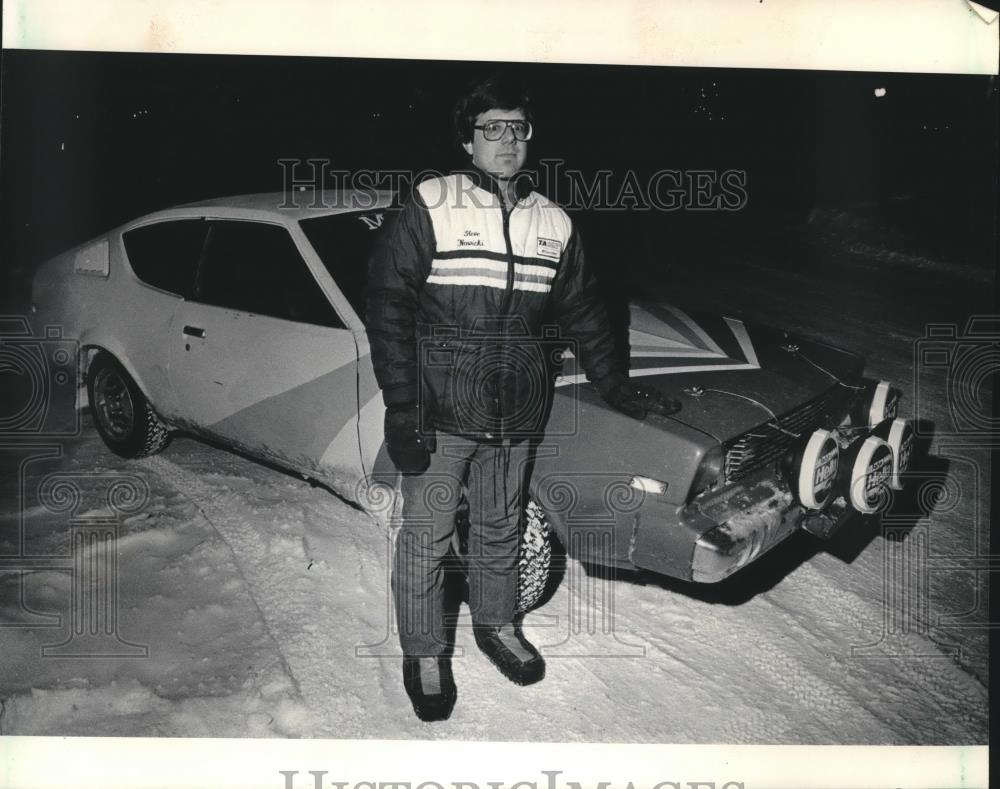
(241, 320)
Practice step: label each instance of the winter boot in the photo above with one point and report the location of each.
(512, 653)
(430, 685)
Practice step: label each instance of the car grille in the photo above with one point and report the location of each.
(767, 442)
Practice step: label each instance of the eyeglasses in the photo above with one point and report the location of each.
(494, 130)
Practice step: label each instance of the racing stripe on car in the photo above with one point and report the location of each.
(666, 321)
(361, 436)
(685, 340)
(739, 330)
(300, 423)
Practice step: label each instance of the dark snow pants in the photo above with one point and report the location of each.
(492, 477)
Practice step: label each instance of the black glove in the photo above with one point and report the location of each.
(636, 399)
(409, 449)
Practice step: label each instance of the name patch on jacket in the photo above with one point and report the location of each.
(549, 248)
(472, 249)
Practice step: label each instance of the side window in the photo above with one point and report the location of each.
(165, 255)
(344, 243)
(254, 267)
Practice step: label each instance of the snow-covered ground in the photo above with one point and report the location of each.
(263, 600)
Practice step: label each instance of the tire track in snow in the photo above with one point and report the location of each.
(919, 682)
(768, 670)
(766, 679)
(782, 664)
(273, 566)
(733, 674)
(172, 473)
(660, 694)
(740, 720)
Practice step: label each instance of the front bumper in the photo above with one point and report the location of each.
(716, 535)
(740, 528)
(726, 529)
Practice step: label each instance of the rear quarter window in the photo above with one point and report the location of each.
(165, 255)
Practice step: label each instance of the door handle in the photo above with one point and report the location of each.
(194, 331)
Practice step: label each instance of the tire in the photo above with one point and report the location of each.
(124, 417)
(534, 560)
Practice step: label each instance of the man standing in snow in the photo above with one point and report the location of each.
(474, 264)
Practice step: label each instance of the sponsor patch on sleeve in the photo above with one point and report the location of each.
(549, 248)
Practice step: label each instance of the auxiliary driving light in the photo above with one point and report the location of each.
(899, 435)
(884, 403)
(866, 468)
(811, 469)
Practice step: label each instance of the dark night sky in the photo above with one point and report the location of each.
(90, 140)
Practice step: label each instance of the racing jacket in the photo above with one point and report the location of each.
(461, 298)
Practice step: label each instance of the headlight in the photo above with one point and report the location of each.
(709, 470)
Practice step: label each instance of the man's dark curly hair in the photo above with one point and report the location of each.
(498, 92)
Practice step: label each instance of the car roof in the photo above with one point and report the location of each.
(301, 204)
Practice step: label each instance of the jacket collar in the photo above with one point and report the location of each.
(523, 182)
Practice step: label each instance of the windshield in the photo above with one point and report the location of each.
(344, 243)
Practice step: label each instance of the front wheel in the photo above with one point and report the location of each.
(534, 557)
(535, 560)
(124, 417)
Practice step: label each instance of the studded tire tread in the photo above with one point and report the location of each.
(535, 558)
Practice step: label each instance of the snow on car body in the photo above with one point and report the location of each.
(240, 319)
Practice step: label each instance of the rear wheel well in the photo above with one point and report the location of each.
(123, 416)
(90, 352)
(87, 354)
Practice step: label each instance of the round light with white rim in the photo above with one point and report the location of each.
(883, 404)
(818, 469)
(899, 435)
(871, 465)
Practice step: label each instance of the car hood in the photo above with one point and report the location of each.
(730, 376)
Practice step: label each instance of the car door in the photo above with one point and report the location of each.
(259, 357)
(163, 256)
